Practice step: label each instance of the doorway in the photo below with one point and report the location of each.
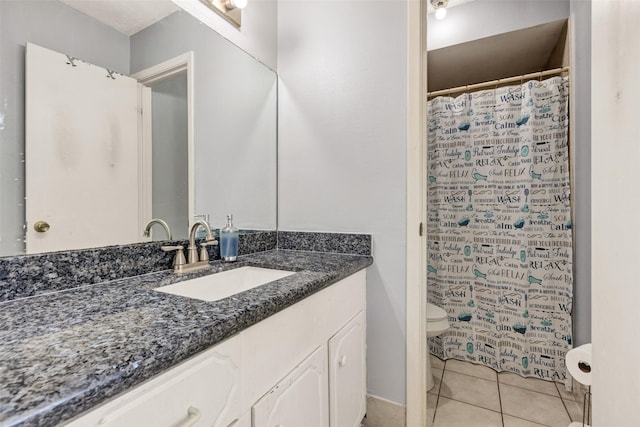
(416, 183)
(168, 143)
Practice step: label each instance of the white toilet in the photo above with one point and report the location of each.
(437, 323)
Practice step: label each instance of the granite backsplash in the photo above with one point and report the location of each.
(30, 275)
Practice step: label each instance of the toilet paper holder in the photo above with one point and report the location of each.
(584, 367)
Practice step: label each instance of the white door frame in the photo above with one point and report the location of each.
(165, 70)
(416, 287)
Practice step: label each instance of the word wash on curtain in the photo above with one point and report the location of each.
(499, 226)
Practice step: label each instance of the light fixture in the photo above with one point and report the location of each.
(440, 7)
(231, 10)
(233, 4)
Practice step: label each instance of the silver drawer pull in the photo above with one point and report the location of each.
(194, 416)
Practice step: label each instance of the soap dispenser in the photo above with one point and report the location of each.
(229, 241)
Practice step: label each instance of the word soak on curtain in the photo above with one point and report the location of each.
(499, 226)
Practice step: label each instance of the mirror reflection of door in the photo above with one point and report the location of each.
(170, 164)
(168, 140)
(81, 121)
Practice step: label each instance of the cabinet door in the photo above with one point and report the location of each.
(243, 421)
(300, 399)
(200, 392)
(347, 374)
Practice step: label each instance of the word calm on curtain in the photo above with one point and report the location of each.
(499, 226)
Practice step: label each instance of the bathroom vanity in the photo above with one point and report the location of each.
(281, 370)
(120, 353)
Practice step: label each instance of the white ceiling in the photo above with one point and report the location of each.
(504, 55)
(125, 16)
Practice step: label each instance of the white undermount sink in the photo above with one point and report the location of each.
(217, 286)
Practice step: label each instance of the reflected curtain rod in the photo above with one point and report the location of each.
(498, 82)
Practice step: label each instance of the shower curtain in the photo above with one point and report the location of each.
(499, 227)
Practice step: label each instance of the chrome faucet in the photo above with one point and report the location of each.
(192, 251)
(193, 262)
(147, 228)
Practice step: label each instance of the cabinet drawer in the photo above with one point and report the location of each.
(200, 392)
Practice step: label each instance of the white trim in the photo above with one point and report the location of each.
(416, 342)
(568, 383)
(163, 71)
(145, 169)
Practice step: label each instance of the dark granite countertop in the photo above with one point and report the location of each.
(64, 352)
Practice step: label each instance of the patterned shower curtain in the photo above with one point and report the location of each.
(499, 227)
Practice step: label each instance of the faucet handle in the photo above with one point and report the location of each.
(172, 248)
(179, 259)
(204, 254)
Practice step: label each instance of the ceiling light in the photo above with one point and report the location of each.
(231, 10)
(233, 4)
(440, 8)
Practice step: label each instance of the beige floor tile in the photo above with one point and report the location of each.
(566, 395)
(436, 362)
(432, 400)
(437, 378)
(510, 421)
(533, 384)
(472, 369)
(384, 413)
(451, 413)
(537, 407)
(574, 409)
(472, 390)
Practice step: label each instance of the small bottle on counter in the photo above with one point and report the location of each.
(229, 240)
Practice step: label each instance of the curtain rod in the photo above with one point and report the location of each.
(498, 82)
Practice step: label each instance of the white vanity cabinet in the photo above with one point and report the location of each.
(301, 367)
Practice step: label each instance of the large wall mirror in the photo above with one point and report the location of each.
(198, 137)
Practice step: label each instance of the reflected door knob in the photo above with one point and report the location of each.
(41, 226)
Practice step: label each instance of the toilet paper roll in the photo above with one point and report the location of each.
(579, 363)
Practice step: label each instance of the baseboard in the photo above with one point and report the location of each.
(384, 413)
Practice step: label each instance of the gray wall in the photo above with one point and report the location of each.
(235, 120)
(581, 16)
(484, 18)
(54, 26)
(342, 116)
(170, 195)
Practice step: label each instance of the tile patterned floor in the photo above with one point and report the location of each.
(469, 395)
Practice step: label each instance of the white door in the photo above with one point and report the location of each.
(615, 203)
(347, 374)
(81, 153)
(300, 399)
